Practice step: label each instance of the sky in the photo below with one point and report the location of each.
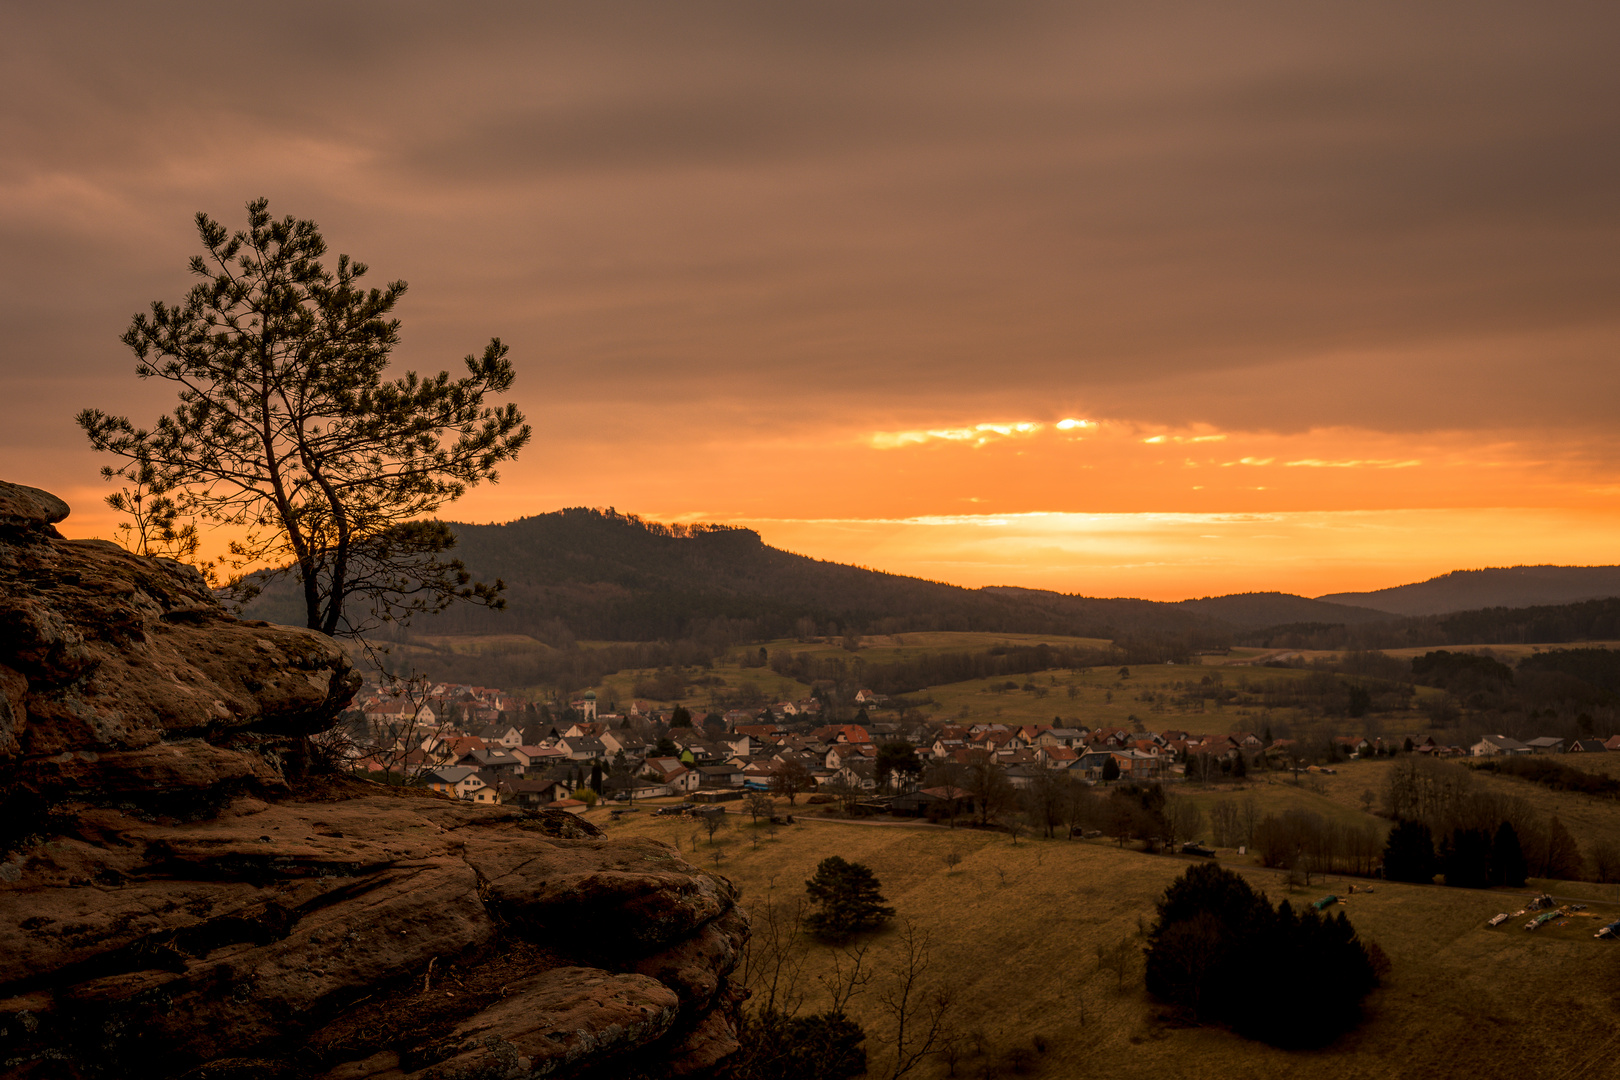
(1145, 299)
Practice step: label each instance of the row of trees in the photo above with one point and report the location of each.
(1448, 824)
(934, 669)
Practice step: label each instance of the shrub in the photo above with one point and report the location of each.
(822, 1046)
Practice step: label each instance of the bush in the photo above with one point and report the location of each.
(822, 1046)
(1221, 952)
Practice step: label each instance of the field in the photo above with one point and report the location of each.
(1014, 931)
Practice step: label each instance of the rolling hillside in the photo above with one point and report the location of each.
(1510, 587)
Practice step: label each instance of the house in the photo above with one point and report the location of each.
(848, 733)
(585, 705)
(493, 760)
(741, 744)
(503, 735)
(452, 748)
(1135, 765)
(1057, 757)
(623, 740)
(538, 757)
(672, 774)
(457, 781)
(1492, 745)
(531, 794)
(720, 776)
(839, 754)
(997, 741)
(583, 748)
(573, 806)
(1612, 743)
(1547, 744)
(1022, 777)
(1055, 736)
(858, 773)
(1586, 746)
(933, 802)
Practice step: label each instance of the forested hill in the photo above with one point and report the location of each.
(594, 574)
(1255, 610)
(585, 574)
(1508, 587)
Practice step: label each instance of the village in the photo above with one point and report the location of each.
(485, 745)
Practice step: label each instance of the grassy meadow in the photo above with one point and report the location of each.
(1014, 931)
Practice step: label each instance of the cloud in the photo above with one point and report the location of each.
(847, 227)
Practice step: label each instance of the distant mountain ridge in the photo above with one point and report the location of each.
(598, 575)
(1469, 590)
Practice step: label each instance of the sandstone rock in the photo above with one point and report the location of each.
(122, 676)
(176, 902)
(29, 508)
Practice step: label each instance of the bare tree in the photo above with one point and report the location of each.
(848, 978)
(1251, 818)
(1182, 818)
(789, 778)
(713, 821)
(1048, 797)
(405, 725)
(1606, 861)
(919, 1013)
(947, 778)
(1115, 958)
(773, 962)
(847, 794)
(759, 804)
(1223, 822)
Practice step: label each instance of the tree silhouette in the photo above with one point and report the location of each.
(287, 432)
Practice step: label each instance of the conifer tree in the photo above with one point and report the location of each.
(288, 434)
(1507, 858)
(848, 899)
(1409, 853)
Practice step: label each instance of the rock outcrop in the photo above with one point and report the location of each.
(181, 896)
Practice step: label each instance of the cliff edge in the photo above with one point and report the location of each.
(180, 897)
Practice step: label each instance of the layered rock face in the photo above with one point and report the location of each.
(180, 897)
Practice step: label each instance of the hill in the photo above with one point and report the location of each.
(597, 575)
(1467, 590)
(1254, 611)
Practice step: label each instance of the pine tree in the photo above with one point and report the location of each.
(848, 897)
(288, 433)
(1409, 853)
(1507, 858)
(1465, 859)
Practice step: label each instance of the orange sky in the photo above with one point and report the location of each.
(1145, 300)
